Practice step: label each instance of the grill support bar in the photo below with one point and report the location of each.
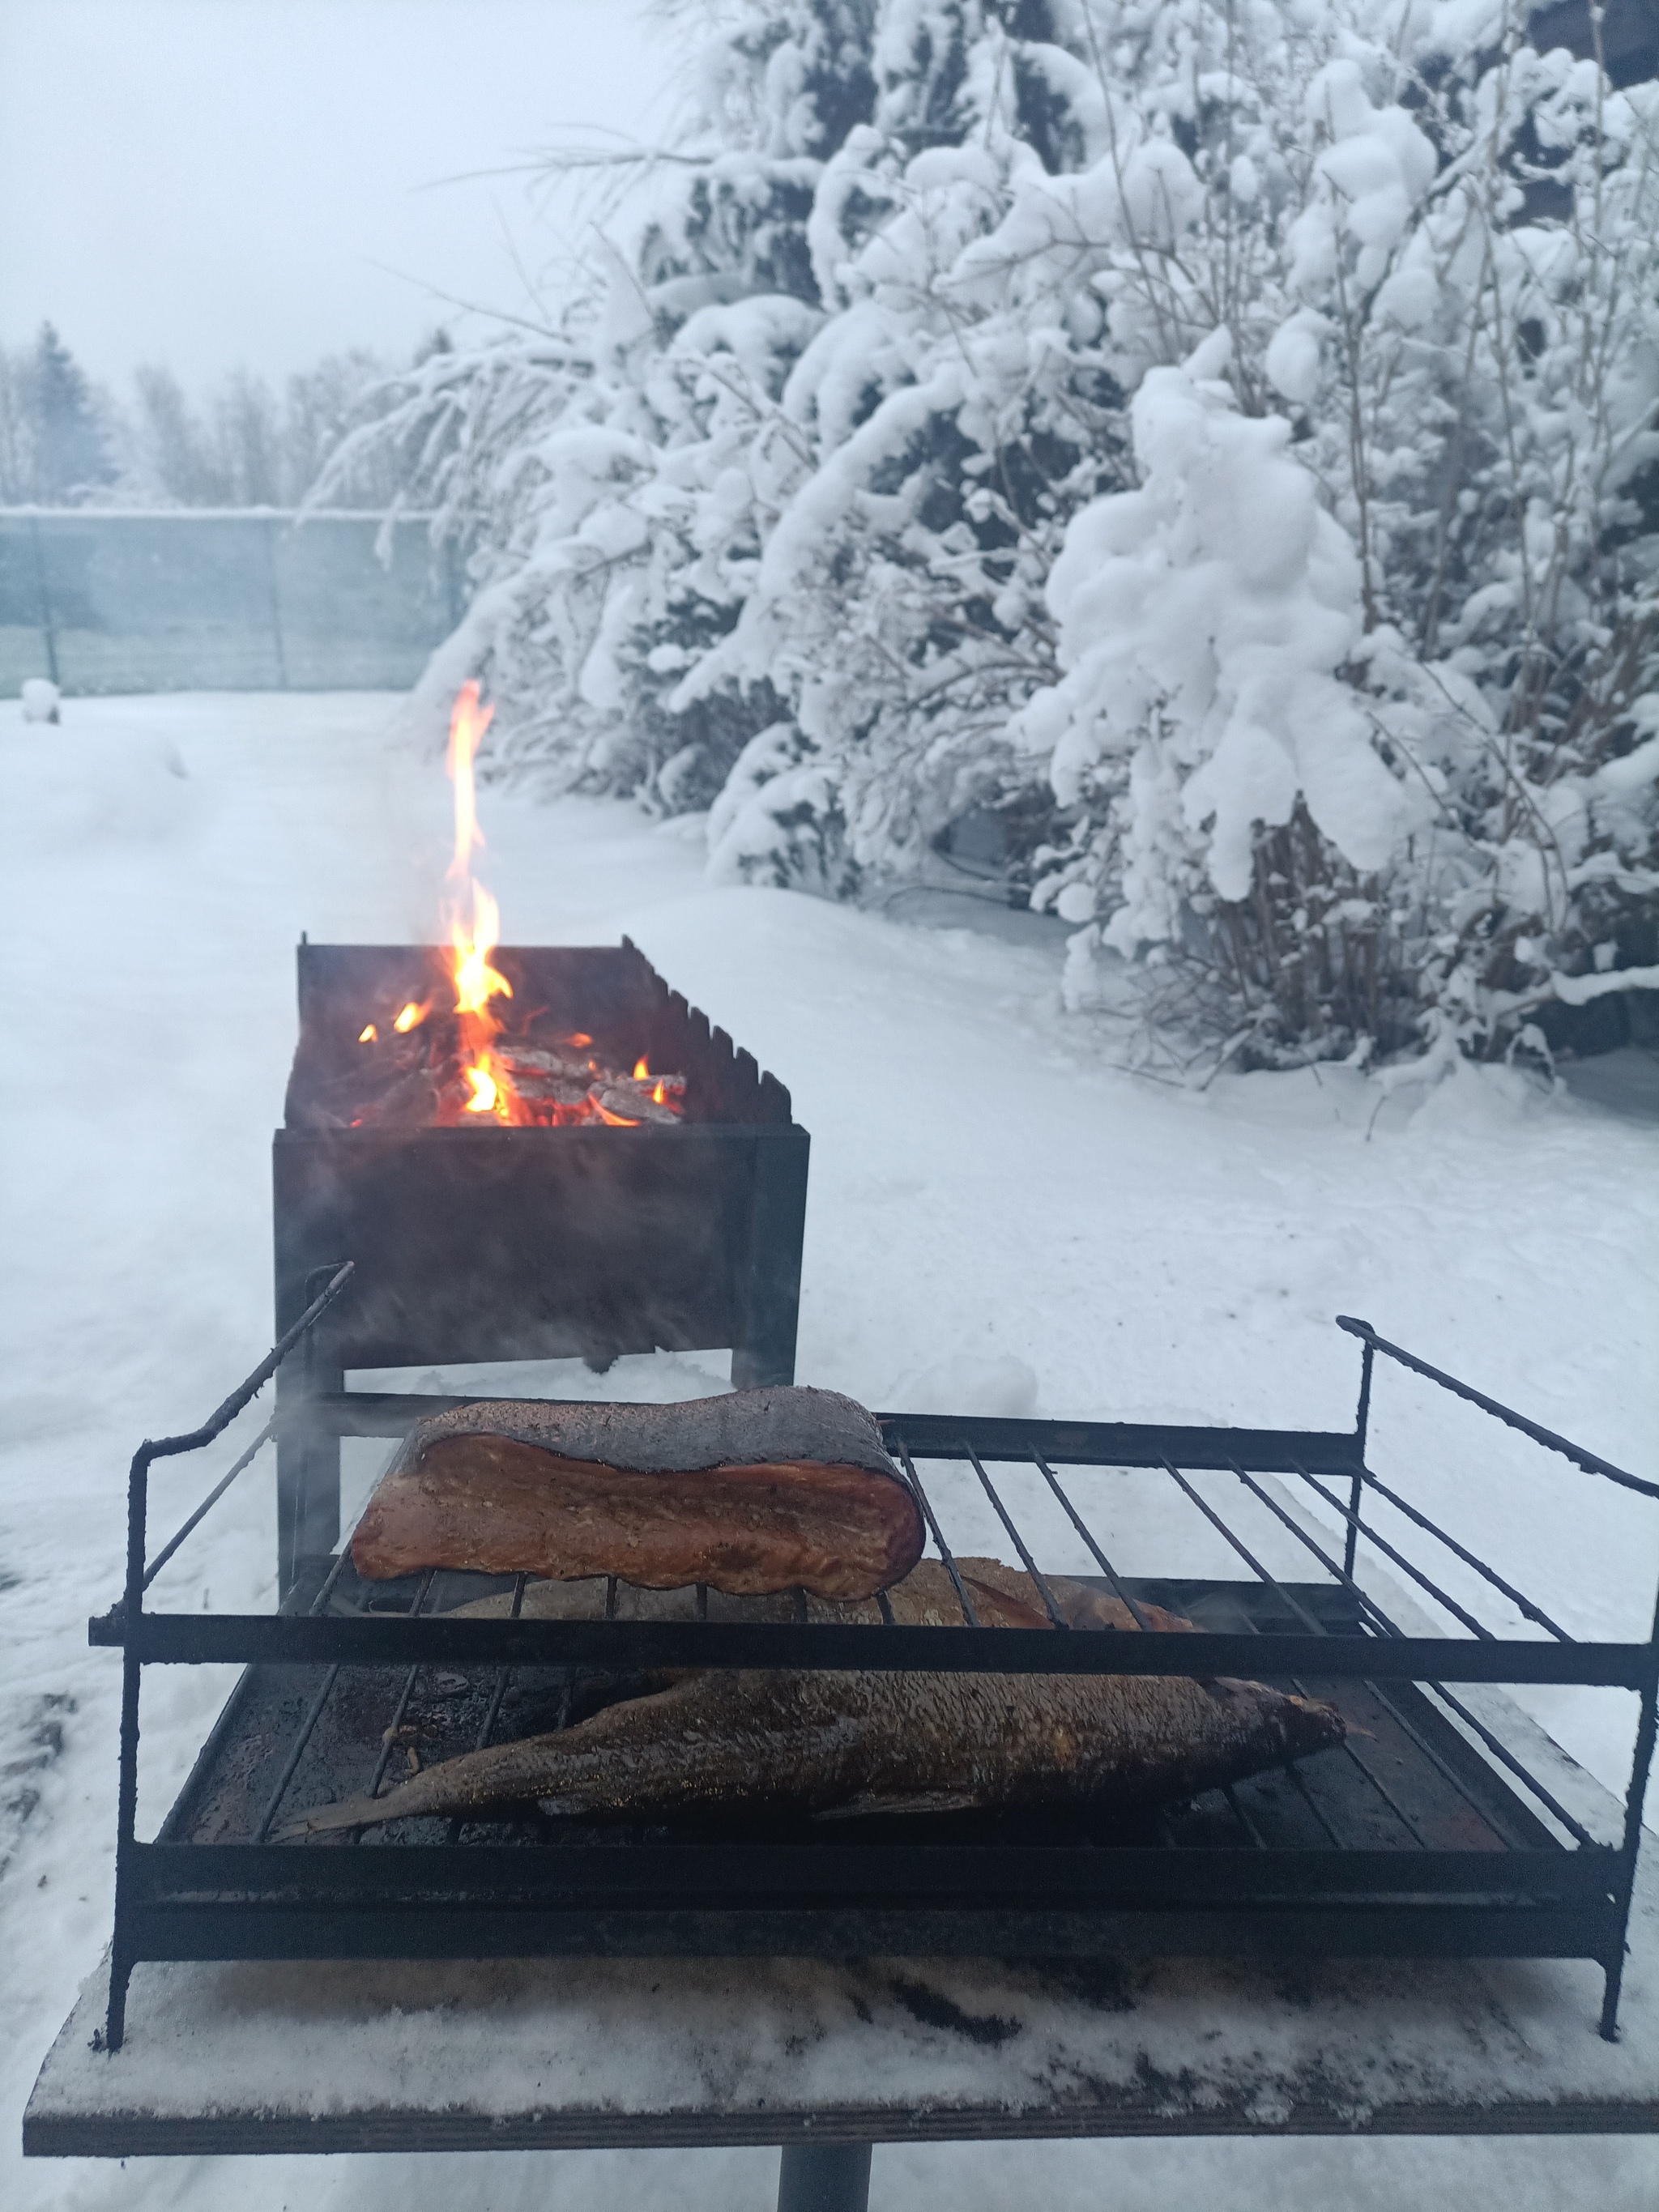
(950, 1568)
(1050, 1605)
(210, 1501)
(1391, 1628)
(1518, 1598)
(1362, 1427)
(1458, 1612)
(1371, 1609)
(1104, 1564)
(392, 1639)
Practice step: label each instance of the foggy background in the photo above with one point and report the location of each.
(216, 184)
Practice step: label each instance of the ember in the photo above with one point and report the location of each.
(425, 1066)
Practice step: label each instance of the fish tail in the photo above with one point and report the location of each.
(357, 1813)
(476, 1778)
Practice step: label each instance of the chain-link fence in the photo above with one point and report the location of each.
(108, 601)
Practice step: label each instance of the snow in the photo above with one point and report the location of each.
(1292, 359)
(996, 1211)
(1380, 165)
(1201, 617)
(942, 265)
(39, 699)
(600, 2039)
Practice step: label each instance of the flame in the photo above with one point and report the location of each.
(474, 924)
(474, 918)
(466, 727)
(476, 981)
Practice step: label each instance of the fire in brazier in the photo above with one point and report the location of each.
(480, 1061)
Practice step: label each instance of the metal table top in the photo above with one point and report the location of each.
(568, 2054)
(563, 2053)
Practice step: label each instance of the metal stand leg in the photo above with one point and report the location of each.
(307, 1457)
(1647, 1734)
(825, 2178)
(1614, 1971)
(307, 1476)
(115, 2020)
(768, 1273)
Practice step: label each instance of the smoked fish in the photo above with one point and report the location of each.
(754, 1491)
(834, 1745)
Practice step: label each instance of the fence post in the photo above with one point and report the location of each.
(48, 629)
(269, 536)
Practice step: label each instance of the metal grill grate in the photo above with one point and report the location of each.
(1425, 1832)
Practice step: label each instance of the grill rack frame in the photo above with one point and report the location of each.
(185, 1900)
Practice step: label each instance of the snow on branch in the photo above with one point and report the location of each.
(1217, 439)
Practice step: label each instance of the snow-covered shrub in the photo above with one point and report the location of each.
(1230, 779)
(1431, 250)
(1219, 435)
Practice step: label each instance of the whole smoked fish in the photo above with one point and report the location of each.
(756, 1491)
(837, 1744)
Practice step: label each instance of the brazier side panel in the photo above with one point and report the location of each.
(528, 1244)
(517, 1243)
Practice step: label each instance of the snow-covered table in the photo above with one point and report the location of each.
(562, 2054)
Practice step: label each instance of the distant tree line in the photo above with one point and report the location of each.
(65, 441)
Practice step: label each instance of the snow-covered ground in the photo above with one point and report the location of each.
(999, 1220)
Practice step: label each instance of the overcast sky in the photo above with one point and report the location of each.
(218, 183)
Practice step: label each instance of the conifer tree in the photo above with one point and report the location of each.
(70, 452)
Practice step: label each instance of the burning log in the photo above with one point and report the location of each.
(622, 1101)
(762, 1490)
(426, 1078)
(570, 1080)
(534, 1063)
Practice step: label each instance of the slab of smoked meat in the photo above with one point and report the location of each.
(762, 1490)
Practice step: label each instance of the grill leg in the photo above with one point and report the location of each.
(825, 2178)
(1615, 1974)
(307, 1477)
(768, 1282)
(307, 1458)
(115, 2020)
